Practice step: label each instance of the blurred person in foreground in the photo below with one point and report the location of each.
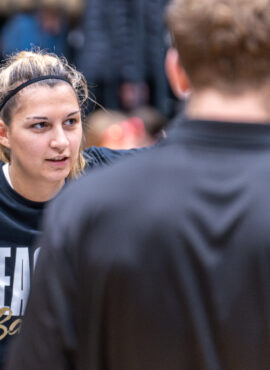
(168, 268)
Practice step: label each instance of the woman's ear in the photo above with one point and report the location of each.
(4, 137)
(176, 75)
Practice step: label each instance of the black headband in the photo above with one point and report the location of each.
(29, 82)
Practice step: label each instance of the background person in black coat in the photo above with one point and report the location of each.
(123, 53)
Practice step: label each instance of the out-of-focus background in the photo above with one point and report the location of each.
(119, 45)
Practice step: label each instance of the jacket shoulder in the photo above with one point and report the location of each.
(100, 156)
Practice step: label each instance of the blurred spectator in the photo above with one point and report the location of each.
(123, 54)
(117, 130)
(45, 29)
(104, 129)
(42, 23)
(154, 123)
(8, 8)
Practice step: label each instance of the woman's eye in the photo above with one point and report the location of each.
(39, 125)
(70, 122)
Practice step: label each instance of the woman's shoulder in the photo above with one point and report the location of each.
(100, 156)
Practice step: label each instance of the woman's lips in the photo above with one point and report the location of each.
(58, 162)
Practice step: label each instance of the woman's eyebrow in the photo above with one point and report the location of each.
(46, 118)
(37, 117)
(71, 114)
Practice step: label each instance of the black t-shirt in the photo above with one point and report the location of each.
(19, 225)
(160, 263)
(20, 221)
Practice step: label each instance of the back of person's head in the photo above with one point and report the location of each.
(28, 65)
(222, 44)
(154, 122)
(117, 130)
(103, 127)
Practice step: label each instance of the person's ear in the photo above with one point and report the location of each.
(4, 137)
(176, 75)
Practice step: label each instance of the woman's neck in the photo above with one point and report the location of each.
(36, 191)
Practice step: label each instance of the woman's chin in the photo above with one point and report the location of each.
(57, 177)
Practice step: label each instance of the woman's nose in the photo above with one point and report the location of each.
(59, 139)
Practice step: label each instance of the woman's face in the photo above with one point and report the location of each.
(44, 135)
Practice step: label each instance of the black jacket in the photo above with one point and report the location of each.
(160, 263)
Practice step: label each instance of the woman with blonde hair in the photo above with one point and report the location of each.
(42, 101)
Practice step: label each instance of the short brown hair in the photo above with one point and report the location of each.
(222, 43)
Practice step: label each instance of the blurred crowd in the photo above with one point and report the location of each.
(119, 45)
